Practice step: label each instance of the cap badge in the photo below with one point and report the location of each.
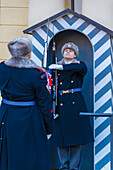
(69, 45)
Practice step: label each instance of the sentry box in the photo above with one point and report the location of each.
(95, 43)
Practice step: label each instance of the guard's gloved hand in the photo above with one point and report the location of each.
(48, 136)
(56, 67)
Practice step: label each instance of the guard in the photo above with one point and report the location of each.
(72, 130)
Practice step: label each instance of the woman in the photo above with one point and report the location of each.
(26, 111)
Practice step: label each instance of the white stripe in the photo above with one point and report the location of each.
(102, 136)
(102, 83)
(36, 59)
(98, 37)
(38, 45)
(109, 110)
(101, 50)
(78, 23)
(101, 67)
(100, 155)
(43, 34)
(102, 100)
(88, 29)
(70, 15)
(53, 28)
(99, 121)
(107, 166)
(64, 24)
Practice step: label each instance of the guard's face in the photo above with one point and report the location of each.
(69, 54)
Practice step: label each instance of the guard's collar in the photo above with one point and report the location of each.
(63, 61)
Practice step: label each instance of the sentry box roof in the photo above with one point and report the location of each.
(69, 16)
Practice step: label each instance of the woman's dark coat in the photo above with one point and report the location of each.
(23, 129)
(71, 128)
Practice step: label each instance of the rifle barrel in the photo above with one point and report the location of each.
(44, 63)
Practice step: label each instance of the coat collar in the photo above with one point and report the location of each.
(21, 62)
(62, 62)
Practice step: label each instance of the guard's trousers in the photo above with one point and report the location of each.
(69, 157)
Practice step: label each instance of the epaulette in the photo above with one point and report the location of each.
(39, 69)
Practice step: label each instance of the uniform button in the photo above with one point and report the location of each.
(60, 93)
(58, 74)
(60, 83)
(73, 102)
(72, 81)
(2, 123)
(72, 91)
(61, 104)
(0, 138)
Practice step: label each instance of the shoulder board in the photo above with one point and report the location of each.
(39, 69)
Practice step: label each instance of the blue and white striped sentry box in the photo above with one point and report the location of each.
(101, 40)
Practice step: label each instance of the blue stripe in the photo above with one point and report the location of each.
(39, 38)
(93, 33)
(101, 127)
(50, 33)
(102, 144)
(103, 91)
(104, 107)
(69, 20)
(58, 25)
(102, 57)
(101, 42)
(83, 26)
(37, 53)
(100, 76)
(103, 162)
(19, 103)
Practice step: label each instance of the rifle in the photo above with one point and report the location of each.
(44, 65)
(54, 80)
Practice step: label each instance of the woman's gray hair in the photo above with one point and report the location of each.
(20, 46)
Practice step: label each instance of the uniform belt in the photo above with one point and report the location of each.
(19, 103)
(69, 91)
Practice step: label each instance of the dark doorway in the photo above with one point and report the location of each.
(86, 55)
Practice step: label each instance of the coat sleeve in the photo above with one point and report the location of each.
(77, 67)
(44, 101)
(4, 76)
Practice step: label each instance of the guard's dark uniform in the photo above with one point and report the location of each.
(23, 129)
(71, 128)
